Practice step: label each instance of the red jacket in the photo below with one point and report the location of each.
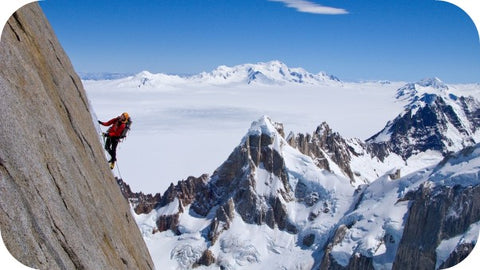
(117, 127)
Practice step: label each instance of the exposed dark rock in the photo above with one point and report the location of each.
(357, 261)
(225, 212)
(186, 192)
(379, 150)
(458, 255)
(308, 240)
(395, 175)
(222, 220)
(422, 128)
(142, 203)
(207, 259)
(325, 144)
(435, 214)
(327, 260)
(169, 222)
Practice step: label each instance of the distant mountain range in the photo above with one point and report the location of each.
(407, 198)
(269, 73)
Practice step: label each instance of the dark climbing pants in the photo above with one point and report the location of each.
(111, 147)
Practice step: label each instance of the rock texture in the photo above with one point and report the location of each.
(346, 157)
(140, 202)
(234, 185)
(60, 205)
(441, 205)
(433, 208)
(186, 191)
(323, 146)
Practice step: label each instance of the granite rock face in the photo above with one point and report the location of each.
(60, 205)
(431, 220)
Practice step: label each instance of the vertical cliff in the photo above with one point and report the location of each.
(60, 207)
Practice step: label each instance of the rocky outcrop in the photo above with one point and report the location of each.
(458, 255)
(443, 212)
(207, 259)
(324, 145)
(168, 222)
(185, 192)
(60, 205)
(235, 183)
(346, 157)
(140, 202)
(357, 261)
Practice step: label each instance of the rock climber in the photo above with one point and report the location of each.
(118, 130)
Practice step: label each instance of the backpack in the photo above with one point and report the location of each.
(127, 128)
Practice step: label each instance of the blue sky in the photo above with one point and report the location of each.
(362, 40)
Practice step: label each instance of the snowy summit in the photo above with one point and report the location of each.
(273, 72)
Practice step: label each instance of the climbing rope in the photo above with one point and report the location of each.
(118, 170)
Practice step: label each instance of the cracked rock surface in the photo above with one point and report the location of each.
(60, 207)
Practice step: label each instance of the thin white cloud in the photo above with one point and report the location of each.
(311, 7)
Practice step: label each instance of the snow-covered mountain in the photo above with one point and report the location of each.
(434, 123)
(429, 219)
(264, 73)
(266, 206)
(274, 203)
(350, 157)
(435, 118)
(273, 72)
(319, 200)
